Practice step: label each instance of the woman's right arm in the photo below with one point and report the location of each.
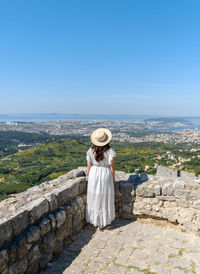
(112, 167)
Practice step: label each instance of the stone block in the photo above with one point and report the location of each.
(21, 246)
(166, 172)
(155, 208)
(84, 197)
(127, 198)
(82, 186)
(33, 234)
(33, 269)
(191, 226)
(83, 168)
(58, 249)
(45, 259)
(20, 222)
(60, 217)
(69, 222)
(187, 175)
(76, 219)
(79, 201)
(127, 215)
(48, 242)
(196, 204)
(183, 203)
(185, 216)
(62, 193)
(148, 207)
(157, 190)
(19, 267)
(74, 188)
(178, 183)
(33, 255)
(53, 220)
(62, 232)
(166, 198)
(83, 212)
(37, 209)
(116, 186)
(4, 254)
(126, 188)
(168, 189)
(3, 260)
(33, 189)
(145, 191)
(6, 231)
(53, 202)
(77, 228)
(186, 194)
(152, 201)
(12, 251)
(127, 208)
(74, 173)
(139, 205)
(45, 226)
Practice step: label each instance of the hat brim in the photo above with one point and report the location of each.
(105, 141)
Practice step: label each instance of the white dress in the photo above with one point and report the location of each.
(100, 207)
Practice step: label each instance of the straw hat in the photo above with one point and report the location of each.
(101, 136)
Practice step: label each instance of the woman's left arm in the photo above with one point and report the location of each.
(89, 166)
(89, 160)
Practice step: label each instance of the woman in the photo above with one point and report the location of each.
(100, 207)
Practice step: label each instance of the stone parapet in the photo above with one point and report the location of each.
(35, 225)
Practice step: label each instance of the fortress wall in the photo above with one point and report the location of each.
(35, 225)
(166, 172)
(174, 199)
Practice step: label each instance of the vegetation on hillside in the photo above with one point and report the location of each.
(13, 141)
(21, 170)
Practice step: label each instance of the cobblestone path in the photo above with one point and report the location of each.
(141, 246)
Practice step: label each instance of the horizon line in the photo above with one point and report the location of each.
(100, 114)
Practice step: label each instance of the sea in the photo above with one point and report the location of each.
(194, 121)
(68, 117)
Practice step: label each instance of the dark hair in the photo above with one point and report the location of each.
(99, 151)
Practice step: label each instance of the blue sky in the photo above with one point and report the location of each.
(108, 57)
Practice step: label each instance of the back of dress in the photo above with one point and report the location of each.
(100, 207)
(107, 161)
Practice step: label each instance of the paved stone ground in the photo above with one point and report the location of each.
(141, 246)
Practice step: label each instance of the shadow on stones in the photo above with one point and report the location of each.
(137, 179)
(119, 222)
(125, 195)
(71, 251)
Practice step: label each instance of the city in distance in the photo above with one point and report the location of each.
(32, 152)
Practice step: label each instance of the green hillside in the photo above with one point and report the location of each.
(47, 161)
(13, 141)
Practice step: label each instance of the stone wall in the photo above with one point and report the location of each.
(164, 196)
(166, 172)
(35, 225)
